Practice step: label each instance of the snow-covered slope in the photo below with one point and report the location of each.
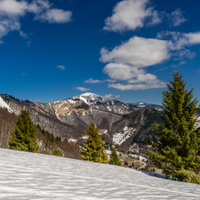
(3, 104)
(31, 176)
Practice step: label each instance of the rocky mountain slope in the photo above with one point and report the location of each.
(119, 123)
(38, 176)
(47, 141)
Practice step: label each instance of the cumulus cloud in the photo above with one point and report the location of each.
(82, 89)
(120, 71)
(13, 8)
(143, 86)
(147, 78)
(55, 16)
(129, 15)
(128, 61)
(11, 11)
(140, 52)
(62, 67)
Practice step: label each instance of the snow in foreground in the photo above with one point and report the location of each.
(30, 176)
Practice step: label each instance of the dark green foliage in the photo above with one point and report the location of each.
(176, 143)
(51, 137)
(43, 131)
(58, 139)
(24, 136)
(93, 149)
(126, 163)
(114, 159)
(56, 152)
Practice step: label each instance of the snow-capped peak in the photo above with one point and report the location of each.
(88, 94)
(78, 104)
(93, 99)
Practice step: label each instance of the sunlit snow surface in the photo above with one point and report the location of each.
(3, 104)
(27, 176)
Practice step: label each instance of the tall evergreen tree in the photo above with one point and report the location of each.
(176, 143)
(93, 149)
(24, 136)
(114, 158)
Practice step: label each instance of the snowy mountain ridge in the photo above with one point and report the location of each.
(85, 103)
(69, 118)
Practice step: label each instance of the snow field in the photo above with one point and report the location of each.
(30, 176)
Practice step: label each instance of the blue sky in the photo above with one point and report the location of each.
(56, 49)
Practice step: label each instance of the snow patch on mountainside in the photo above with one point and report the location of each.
(3, 104)
(121, 137)
(72, 140)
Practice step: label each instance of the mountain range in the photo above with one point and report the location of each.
(119, 123)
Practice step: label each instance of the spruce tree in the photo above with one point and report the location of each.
(176, 143)
(24, 136)
(56, 152)
(114, 159)
(93, 149)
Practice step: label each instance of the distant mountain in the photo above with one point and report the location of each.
(119, 123)
(89, 100)
(144, 105)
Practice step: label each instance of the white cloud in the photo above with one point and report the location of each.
(127, 62)
(82, 89)
(120, 71)
(179, 64)
(55, 16)
(7, 25)
(156, 19)
(147, 78)
(178, 40)
(62, 67)
(183, 54)
(111, 96)
(22, 34)
(13, 8)
(177, 17)
(193, 38)
(139, 52)
(129, 15)
(92, 81)
(11, 11)
(143, 86)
